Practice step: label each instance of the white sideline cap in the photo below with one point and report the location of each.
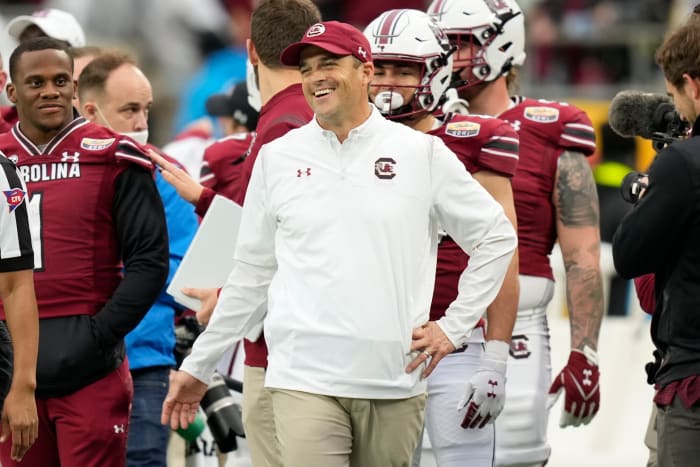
(55, 23)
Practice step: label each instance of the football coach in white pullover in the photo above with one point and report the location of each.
(336, 254)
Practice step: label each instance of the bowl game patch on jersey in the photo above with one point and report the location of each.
(93, 144)
(542, 114)
(462, 129)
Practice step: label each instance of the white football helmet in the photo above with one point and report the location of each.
(412, 36)
(489, 36)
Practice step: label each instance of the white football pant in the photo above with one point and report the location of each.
(521, 429)
(452, 445)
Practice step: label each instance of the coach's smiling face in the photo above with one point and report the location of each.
(336, 87)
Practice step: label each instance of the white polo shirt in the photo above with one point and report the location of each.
(341, 241)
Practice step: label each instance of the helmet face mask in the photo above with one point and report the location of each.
(489, 36)
(413, 60)
(470, 64)
(397, 87)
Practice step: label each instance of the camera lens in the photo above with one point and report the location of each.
(223, 414)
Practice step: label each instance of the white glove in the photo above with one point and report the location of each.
(486, 390)
(453, 103)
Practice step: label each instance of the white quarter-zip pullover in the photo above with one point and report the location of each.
(336, 253)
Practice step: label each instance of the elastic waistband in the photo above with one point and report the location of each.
(532, 313)
(477, 335)
(476, 338)
(465, 347)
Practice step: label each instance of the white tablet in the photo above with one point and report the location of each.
(209, 259)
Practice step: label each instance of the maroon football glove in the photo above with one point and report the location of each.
(579, 379)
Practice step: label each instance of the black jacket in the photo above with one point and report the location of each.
(661, 235)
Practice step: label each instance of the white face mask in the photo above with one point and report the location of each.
(140, 137)
(252, 85)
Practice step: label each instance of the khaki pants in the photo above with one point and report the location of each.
(650, 438)
(323, 431)
(679, 432)
(258, 419)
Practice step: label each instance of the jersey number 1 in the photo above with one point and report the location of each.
(37, 227)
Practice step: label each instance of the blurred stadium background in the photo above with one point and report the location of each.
(579, 51)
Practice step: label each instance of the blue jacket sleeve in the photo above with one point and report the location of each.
(182, 226)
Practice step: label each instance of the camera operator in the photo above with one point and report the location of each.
(660, 235)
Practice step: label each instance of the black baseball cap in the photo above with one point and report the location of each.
(234, 104)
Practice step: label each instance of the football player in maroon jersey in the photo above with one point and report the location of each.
(413, 66)
(101, 259)
(223, 159)
(555, 201)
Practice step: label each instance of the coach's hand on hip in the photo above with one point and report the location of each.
(182, 402)
(432, 343)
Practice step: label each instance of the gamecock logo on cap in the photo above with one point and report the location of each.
(316, 30)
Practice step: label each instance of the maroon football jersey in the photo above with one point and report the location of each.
(71, 185)
(546, 129)
(223, 163)
(481, 143)
(285, 111)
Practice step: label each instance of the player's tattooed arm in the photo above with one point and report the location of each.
(577, 218)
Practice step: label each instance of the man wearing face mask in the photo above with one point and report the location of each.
(115, 93)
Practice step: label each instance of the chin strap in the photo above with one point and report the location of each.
(454, 104)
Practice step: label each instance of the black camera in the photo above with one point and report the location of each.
(186, 331)
(632, 186)
(668, 126)
(224, 416)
